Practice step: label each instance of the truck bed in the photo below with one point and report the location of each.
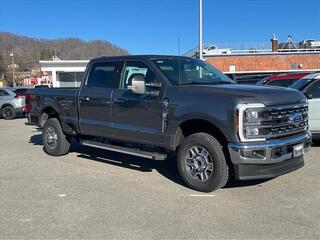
(62, 100)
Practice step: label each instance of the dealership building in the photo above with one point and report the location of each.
(64, 73)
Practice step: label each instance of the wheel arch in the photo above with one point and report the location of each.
(6, 105)
(196, 125)
(46, 113)
(50, 112)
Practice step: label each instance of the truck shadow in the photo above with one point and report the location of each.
(167, 168)
(315, 142)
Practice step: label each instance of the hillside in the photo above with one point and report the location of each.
(28, 51)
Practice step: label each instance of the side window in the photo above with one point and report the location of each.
(314, 89)
(104, 75)
(136, 67)
(3, 93)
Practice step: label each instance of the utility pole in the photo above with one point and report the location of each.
(200, 31)
(13, 66)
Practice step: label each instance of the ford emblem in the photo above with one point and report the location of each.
(295, 118)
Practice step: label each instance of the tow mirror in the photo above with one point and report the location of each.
(138, 84)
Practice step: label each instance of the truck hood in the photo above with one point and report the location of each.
(267, 95)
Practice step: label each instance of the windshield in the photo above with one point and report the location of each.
(300, 84)
(186, 71)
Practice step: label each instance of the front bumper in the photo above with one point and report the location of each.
(268, 159)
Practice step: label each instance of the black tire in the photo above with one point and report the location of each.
(209, 173)
(8, 113)
(55, 142)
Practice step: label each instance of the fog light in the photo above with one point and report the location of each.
(259, 153)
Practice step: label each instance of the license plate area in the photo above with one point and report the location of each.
(298, 150)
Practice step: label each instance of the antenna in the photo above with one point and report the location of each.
(200, 31)
(179, 60)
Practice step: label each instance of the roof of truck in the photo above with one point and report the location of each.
(136, 56)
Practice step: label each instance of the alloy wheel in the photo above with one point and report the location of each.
(199, 163)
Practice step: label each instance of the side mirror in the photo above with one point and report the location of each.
(308, 95)
(138, 84)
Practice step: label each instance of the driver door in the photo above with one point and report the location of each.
(137, 118)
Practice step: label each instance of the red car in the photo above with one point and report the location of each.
(282, 80)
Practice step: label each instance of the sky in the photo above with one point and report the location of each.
(154, 26)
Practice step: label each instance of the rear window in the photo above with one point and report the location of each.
(105, 75)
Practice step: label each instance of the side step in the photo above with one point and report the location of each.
(129, 151)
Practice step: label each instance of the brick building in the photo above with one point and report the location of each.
(266, 62)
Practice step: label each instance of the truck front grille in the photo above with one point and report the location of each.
(281, 121)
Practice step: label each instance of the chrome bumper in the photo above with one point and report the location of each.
(268, 152)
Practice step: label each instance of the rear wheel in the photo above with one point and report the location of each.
(202, 164)
(8, 113)
(55, 142)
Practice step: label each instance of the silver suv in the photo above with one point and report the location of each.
(11, 104)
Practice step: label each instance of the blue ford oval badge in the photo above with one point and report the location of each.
(295, 118)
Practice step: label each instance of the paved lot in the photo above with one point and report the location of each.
(97, 194)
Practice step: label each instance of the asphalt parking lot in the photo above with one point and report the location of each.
(91, 193)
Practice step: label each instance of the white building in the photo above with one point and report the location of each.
(64, 73)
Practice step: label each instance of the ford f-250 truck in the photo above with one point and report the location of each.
(151, 106)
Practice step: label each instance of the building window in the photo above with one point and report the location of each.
(70, 79)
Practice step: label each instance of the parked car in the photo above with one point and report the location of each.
(310, 86)
(11, 104)
(250, 78)
(282, 80)
(151, 106)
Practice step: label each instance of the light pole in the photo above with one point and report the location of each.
(200, 31)
(12, 65)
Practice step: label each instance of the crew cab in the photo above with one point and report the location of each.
(152, 106)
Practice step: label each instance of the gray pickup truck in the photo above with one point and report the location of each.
(151, 106)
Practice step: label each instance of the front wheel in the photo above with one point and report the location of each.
(202, 163)
(55, 142)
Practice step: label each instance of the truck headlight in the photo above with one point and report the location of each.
(250, 122)
(252, 115)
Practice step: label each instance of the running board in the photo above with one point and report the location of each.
(129, 151)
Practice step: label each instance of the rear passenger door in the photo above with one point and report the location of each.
(314, 106)
(95, 114)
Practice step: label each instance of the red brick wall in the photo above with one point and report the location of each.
(266, 62)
